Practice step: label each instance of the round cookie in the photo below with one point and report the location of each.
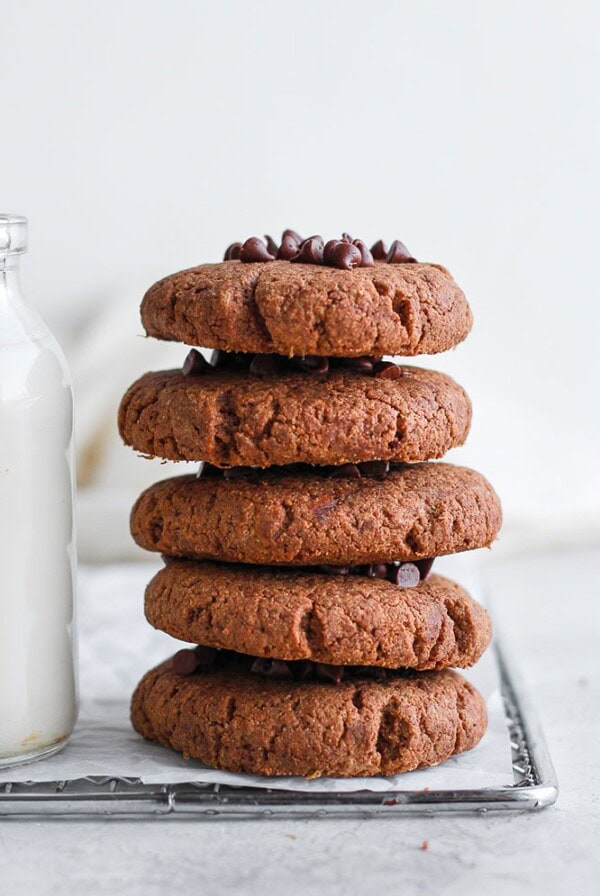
(276, 517)
(242, 723)
(231, 418)
(305, 309)
(340, 620)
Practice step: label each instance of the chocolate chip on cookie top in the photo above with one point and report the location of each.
(345, 253)
(202, 660)
(190, 661)
(269, 364)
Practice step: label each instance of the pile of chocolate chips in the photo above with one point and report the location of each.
(196, 364)
(189, 661)
(345, 253)
(405, 574)
(369, 469)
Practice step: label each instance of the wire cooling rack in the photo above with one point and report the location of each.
(534, 787)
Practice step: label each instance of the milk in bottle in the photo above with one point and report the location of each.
(37, 553)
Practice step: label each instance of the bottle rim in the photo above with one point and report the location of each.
(13, 234)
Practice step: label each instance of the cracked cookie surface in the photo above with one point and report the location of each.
(277, 518)
(242, 723)
(237, 419)
(304, 309)
(341, 620)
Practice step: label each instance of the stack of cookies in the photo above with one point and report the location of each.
(298, 561)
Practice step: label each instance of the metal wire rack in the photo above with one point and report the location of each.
(534, 787)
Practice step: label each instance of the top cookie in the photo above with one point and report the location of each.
(304, 309)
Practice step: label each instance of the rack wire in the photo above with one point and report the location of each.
(534, 787)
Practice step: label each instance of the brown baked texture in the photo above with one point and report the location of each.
(342, 620)
(304, 309)
(242, 723)
(237, 419)
(278, 518)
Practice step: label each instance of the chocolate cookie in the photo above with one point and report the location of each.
(416, 511)
(341, 620)
(242, 723)
(236, 419)
(304, 309)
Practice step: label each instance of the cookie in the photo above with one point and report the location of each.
(277, 517)
(341, 620)
(234, 418)
(242, 723)
(305, 309)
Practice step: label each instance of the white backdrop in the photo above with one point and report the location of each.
(143, 136)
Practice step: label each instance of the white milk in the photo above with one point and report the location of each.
(38, 702)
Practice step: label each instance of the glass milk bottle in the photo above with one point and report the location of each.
(38, 698)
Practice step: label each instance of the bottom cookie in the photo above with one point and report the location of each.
(238, 722)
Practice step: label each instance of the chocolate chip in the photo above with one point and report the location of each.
(311, 364)
(366, 257)
(218, 358)
(327, 672)
(378, 571)
(184, 662)
(346, 471)
(379, 250)
(231, 360)
(334, 570)
(232, 253)
(406, 575)
(424, 566)
(320, 365)
(291, 234)
(272, 246)
(375, 469)
(255, 250)
(289, 248)
(344, 256)
(329, 246)
(399, 254)
(346, 238)
(264, 365)
(195, 364)
(271, 669)
(311, 251)
(207, 470)
(247, 473)
(387, 370)
(302, 670)
(374, 672)
(205, 657)
(363, 364)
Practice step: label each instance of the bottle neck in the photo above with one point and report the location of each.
(10, 280)
(19, 322)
